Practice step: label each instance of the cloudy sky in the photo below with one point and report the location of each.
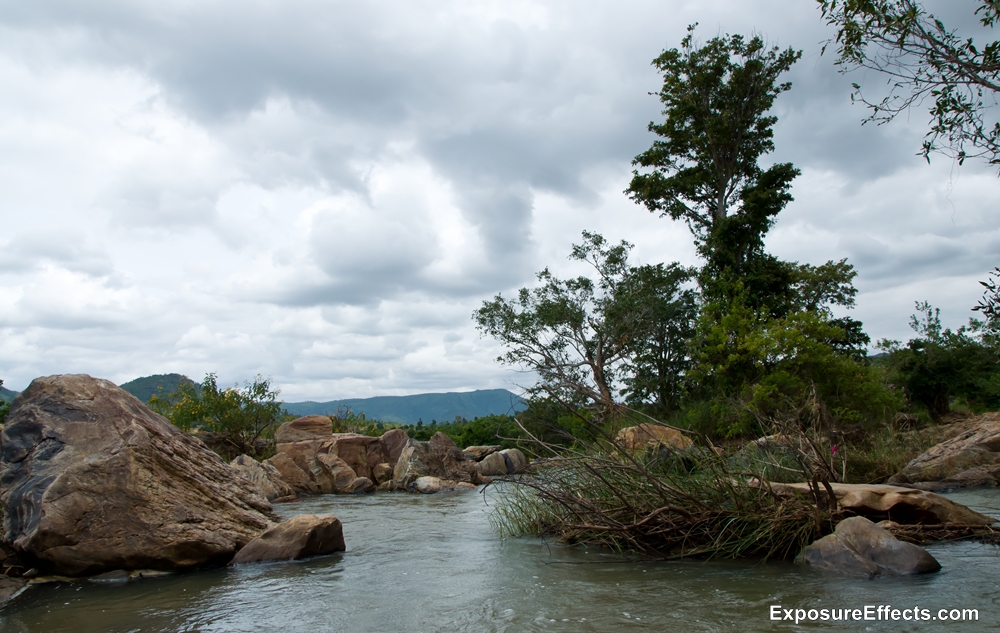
(323, 191)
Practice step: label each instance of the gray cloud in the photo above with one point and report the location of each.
(324, 191)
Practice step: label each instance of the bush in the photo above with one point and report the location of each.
(940, 369)
(243, 419)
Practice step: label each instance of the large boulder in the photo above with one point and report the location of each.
(310, 427)
(971, 458)
(264, 476)
(438, 457)
(299, 537)
(651, 436)
(341, 477)
(505, 462)
(906, 506)
(328, 466)
(91, 481)
(859, 547)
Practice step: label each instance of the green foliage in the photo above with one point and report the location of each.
(592, 340)
(4, 409)
(941, 368)
(989, 305)
(705, 166)
(754, 369)
(924, 60)
(244, 418)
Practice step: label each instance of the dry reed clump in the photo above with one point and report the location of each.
(665, 503)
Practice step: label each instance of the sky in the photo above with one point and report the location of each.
(322, 192)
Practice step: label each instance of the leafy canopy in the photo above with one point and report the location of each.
(704, 167)
(922, 60)
(4, 409)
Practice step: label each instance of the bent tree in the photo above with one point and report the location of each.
(592, 341)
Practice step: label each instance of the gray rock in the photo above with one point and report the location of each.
(861, 548)
(516, 461)
(10, 588)
(493, 465)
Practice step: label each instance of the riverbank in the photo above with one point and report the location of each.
(432, 563)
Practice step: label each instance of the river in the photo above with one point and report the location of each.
(432, 563)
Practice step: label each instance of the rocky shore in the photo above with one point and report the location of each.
(92, 483)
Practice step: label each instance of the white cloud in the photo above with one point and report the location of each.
(323, 192)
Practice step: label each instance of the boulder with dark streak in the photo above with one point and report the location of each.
(91, 481)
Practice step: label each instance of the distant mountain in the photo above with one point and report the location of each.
(6, 395)
(443, 407)
(148, 386)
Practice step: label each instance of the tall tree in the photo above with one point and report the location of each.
(705, 167)
(924, 60)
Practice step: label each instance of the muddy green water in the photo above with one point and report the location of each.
(432, 563)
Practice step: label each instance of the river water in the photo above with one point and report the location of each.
(432, 563)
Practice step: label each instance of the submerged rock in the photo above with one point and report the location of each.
(431, 485)
(906, 506)
(861, 548)
(92, 481)
(10, 588)
(972, 458)
(299, 537)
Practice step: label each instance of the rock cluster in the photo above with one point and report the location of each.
(312, 459)
(972, 458)
(859, 547)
